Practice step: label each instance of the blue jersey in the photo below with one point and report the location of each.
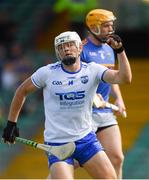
(101, 54)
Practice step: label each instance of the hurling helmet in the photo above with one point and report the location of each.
(65, 37)
(96, 17)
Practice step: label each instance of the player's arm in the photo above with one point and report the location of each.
(11, 131)
(123, 74)
(19, 98)
(116, 43)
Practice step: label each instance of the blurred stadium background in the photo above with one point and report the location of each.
(27, 31)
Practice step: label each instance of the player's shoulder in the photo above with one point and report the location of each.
(84, 64)
(55, 65)
(95, 66)
(90, 64)
(107, 46)
(49, 67)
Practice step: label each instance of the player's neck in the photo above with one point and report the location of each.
(74, 67)
(94, 40)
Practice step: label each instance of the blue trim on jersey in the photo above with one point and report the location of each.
(56, 65)
(103, 75)
(86, 148)
(33, 81)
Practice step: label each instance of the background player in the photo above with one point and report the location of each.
(99, 23)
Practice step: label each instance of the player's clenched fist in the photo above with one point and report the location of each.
(116, 43)
(10, 132)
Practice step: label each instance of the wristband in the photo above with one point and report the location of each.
(119, 50)
(10, 123)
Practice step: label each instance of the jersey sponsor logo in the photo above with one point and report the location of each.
(92, 53)
(71, 95)
(57, 83)
(71, 104)
(102, 54)
(70, 82)
(109, 55)
(84, 79)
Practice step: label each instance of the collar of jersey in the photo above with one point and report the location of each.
(69, 71)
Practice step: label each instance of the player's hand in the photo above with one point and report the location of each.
(10, 132)
(116, 43)
(121, 107)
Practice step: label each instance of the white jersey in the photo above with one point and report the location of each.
(68, 100)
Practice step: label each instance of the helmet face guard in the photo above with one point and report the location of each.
(95, 29)
(96, 18)
(66, 37)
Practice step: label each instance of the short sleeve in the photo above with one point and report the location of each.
(39, 77)
(100, 70)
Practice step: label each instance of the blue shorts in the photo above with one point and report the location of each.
(86, 148)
